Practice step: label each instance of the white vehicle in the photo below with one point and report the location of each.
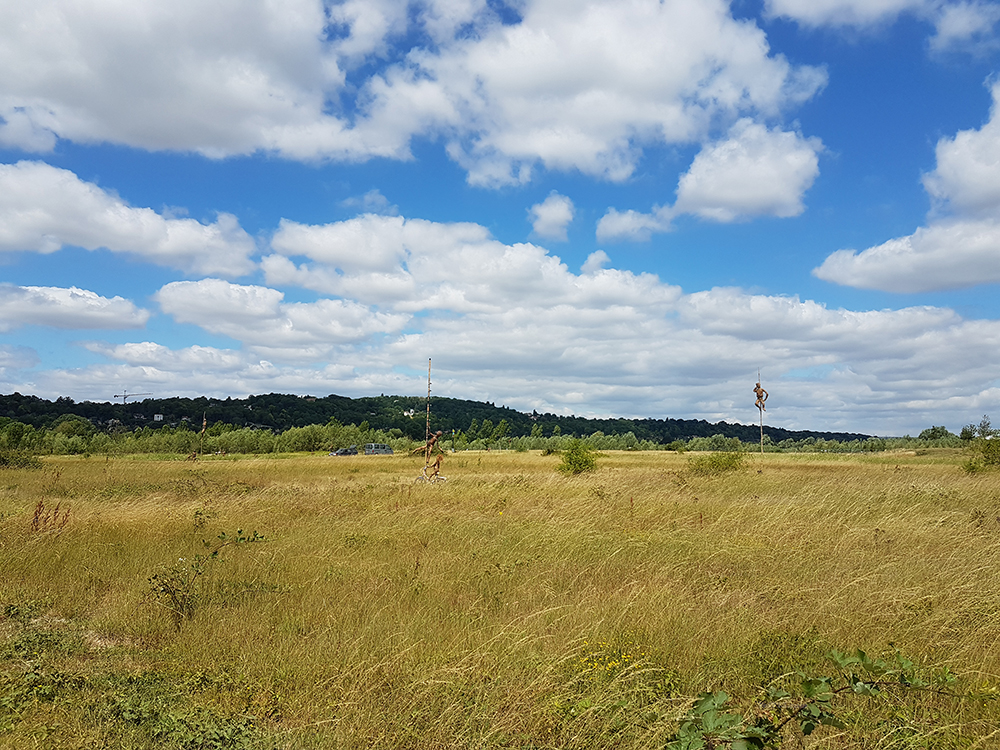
(374, 449)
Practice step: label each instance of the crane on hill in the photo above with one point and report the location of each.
(125, 395)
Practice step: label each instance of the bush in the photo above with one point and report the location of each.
(935, 432)
(717, 463)
(718, 442)
(985, 455)
(18, 459)
(984, 444)
(577, 458)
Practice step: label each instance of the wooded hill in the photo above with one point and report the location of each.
(278, 412)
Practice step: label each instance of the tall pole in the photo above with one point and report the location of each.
(427, 433)
(761, 420)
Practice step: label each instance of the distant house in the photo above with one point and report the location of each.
(157, 417)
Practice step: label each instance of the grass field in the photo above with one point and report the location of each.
(509, 607)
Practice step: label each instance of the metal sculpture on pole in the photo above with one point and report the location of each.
(761, 398)
(431, 443)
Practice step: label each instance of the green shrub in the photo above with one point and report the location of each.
(985, 455)
(578, 458)
(18, 459)
(717, 463)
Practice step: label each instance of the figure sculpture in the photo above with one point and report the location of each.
(761, 397)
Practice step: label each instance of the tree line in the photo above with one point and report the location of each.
(277, 413)
(56, 428)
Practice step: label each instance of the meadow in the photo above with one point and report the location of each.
(310, 601)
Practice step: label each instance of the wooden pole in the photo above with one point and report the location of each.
(427, 433)
(762, 432)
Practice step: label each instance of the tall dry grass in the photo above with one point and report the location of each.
(509, 607)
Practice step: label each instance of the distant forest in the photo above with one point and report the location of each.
(278, 412)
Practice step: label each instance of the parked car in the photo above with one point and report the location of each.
(374, 449)
(351, 451)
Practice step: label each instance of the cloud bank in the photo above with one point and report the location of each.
(513, 324)
(567, 85)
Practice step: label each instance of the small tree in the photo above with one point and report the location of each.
(501, 430)
(577, 458)
(985, 448)
(486, 430)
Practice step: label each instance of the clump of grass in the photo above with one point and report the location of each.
(717, 463)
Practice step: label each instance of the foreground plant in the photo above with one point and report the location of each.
(49, 519)
(176, 586)
(813, 704)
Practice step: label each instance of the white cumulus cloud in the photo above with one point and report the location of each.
(632, 225)
(258, 317)
(968, 26)
(413, 265)
(960, 246)
(66, 308)
(43, 208)
(754, 171)
(580, 85)
(843, 12)
(959, 25)
(583, 85)
(550, 218)
(190, 359)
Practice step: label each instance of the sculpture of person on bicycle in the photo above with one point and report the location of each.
(435, 468)
(431, 470)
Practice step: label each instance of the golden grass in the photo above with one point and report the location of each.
(497, 609)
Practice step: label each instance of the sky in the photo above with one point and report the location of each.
(592, 207)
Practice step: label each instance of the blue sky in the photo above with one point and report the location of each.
(584, 207)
